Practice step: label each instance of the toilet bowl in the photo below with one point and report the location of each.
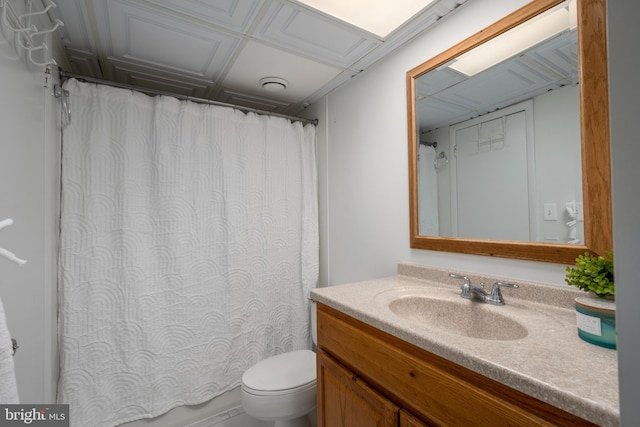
(282, 388)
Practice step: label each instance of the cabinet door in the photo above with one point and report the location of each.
(407, 420)
(344, 400)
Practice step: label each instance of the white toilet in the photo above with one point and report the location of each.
(282, 388)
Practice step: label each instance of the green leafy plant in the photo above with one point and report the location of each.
(592, 273)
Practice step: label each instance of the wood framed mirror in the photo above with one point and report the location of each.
(592, 81)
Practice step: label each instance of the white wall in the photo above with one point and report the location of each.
(624, 62)
(28, 195)
(365, 206)
(558, 168)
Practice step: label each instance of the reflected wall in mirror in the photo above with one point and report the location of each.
(508, 143)
(506, 115)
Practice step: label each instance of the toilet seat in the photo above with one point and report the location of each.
(311, 386)
(285, 373)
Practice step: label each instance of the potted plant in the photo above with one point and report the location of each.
(595, 316)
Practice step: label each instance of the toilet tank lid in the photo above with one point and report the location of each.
(282, 372)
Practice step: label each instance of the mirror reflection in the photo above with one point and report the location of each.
(498, 137)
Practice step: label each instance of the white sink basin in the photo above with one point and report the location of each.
(442, 309)
(463, 317)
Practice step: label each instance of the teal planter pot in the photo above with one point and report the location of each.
(596, 320)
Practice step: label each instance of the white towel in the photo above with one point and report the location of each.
(8, 388)
(428, 187)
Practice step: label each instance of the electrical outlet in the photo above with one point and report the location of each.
(550, 212)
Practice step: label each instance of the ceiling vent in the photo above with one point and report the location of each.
(273, 84)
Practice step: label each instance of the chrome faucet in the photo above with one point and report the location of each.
(472, 292)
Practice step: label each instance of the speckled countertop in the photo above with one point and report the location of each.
(550, 362)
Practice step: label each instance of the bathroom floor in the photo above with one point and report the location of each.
(243, 420)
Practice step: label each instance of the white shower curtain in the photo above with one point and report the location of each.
(188, 247)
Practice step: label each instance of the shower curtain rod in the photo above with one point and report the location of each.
(67, 75)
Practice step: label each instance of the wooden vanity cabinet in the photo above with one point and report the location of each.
(346, 400)
(407, 420)
(367, 377)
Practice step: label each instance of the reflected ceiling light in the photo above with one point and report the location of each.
(516, 40)
(273, 84)
(379, 17)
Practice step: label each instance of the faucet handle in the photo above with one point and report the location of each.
(465, 288)
(467, 281)
(496, 295)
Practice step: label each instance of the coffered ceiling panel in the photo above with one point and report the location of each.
(433, 110)
(234, 15)
(257, 61)
(438, 80)
(492, 87)
(252, 101)
(147, 36)
(152, 78)
(220, 49)
(76, 34)
(560, 55)
(314, 35)
(446, 96)
(84, 64)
